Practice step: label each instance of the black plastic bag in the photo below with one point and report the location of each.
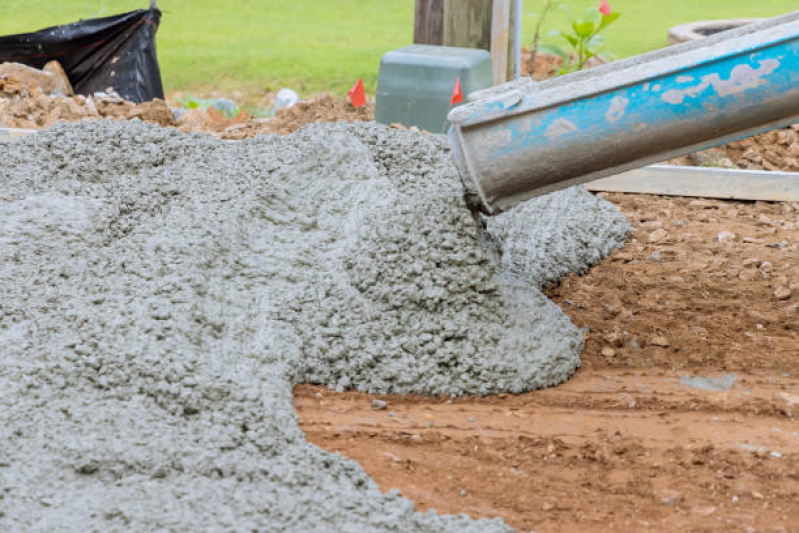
(113, 52)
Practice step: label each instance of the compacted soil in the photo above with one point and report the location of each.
(682, 417)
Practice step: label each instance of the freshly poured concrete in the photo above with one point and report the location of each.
(161, 293)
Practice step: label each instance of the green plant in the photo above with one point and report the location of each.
(584, 37)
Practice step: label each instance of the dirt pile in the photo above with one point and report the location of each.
(322, 108)
(775, 150)
(164, 292)
(30, 98)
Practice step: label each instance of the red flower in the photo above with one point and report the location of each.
(605, 8)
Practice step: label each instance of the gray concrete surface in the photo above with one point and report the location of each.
(161, 294)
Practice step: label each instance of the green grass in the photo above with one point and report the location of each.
(326, 45)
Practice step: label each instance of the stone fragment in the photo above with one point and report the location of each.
(660, 340)
(657, 236)
(782, 293)
(379, 405)
(668, 497)
(703, 204)
(63, 85)
(726, 237)
(608, 352)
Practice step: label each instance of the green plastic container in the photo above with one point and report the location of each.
(416, 83)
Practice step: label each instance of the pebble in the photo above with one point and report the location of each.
(659, 340)
(747, 274)
(726, 237)
(781, 244)
(548, 506)
(704, 510)
(766, 266)
(653, 224)
(782, 293)
(608, 352)
(752, 263)
(703, 204)
(753, 240)
(463, 493)
(379, 404)
(657, 236)
(668, 497)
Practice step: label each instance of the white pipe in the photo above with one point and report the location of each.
(517, 40)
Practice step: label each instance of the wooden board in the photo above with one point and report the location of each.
(704, 182)
(467, 23)
(428, 27)
(500, 39)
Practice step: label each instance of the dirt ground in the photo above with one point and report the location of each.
(682, 417)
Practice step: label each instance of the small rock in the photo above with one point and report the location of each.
(781, 244)
(657, 236)
(766, 266)
(726, 237)
(703, 204)
(379, 405)
(752, 263)
(676, 279)
(782, 293)
(752, 240)
(747, 274)
(787, 403)
(761, 318)
(668, 497)
(608, 352)
(653, 224)
(659, 340)
(463, 493)
(704, 510)
(548, 506)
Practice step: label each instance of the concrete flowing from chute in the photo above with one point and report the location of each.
(161, 294)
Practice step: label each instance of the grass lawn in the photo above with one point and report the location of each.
(257, 46)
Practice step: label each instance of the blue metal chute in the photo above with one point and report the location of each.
(524, 139)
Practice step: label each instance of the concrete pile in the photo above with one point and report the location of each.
(161, 294)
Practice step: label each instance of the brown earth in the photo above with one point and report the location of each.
(321, 108)
(628, 443)
(30, 98)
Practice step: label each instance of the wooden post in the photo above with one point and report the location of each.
(500, 39)
(428, 27)
(467, 23)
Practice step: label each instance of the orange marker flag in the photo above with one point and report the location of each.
(457, 94)
(357, 95)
